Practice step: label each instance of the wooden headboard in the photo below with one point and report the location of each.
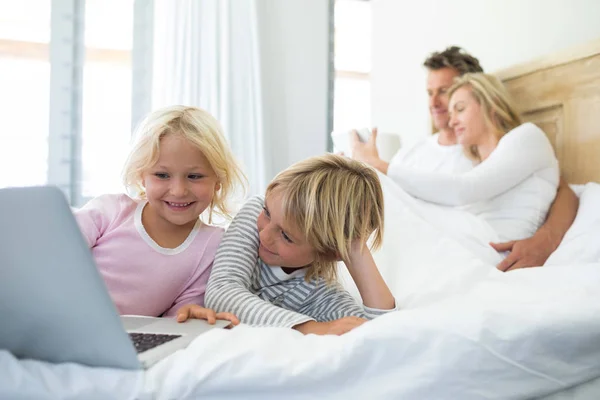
(561, 94)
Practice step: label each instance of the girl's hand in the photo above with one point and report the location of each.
(195, 311)
(335, 327)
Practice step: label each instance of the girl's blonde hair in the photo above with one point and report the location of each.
(202, 131)
(499, 111)
(332, 200)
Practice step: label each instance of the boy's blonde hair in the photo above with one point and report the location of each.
(202, 131)
(499, 111)
(332, 200)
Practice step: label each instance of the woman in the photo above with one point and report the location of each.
(516, 177)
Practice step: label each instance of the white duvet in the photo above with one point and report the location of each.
(465, 331)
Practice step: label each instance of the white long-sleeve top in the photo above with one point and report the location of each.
(429, 155)
(512, 189)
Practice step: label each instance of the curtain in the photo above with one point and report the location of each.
(206, 54)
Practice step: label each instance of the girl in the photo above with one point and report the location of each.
(276, 265)
(153, 250)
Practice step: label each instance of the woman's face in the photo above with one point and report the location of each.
(467, 118)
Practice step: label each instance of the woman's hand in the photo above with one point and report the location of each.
(195, 311)
(335, 327)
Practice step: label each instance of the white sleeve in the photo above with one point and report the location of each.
(519, 154)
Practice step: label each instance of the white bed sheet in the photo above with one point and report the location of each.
(466, 331)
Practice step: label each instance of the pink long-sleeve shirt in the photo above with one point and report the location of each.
(142, 277)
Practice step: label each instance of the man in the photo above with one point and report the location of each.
(441, 152)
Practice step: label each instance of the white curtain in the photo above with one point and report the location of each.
(206, 54)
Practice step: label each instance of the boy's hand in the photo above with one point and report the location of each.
(195, 311)
(335, 327)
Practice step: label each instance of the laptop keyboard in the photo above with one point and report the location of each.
(147, 341)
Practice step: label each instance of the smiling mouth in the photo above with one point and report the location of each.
(178, 206)
(267, 250)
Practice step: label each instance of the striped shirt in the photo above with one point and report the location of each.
(262, 295)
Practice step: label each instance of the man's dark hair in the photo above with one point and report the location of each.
(453, 57)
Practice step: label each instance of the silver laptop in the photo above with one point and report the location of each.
(54, 305)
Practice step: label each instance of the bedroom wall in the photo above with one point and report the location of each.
(294, 50)
(500, 33)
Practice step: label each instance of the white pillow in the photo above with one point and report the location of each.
(581, 243)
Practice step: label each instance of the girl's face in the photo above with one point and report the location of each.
(181, 185)
(280, 244)
(467, 118)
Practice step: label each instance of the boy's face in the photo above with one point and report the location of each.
(280, 244)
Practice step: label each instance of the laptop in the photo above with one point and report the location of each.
(54, 305)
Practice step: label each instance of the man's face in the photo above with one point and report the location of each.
(438, 83)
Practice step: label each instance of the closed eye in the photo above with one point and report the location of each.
(161, 175)
(286, 237)
(268, 215)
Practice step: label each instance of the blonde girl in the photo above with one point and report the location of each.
(155, 248)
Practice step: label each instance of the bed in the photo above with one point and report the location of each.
(465, 331)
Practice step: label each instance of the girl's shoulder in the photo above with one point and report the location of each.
(211, 232)
(209, 237)
(110, 205)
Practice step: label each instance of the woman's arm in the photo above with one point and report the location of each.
(234, 270)
(534, 251)
(520, 153)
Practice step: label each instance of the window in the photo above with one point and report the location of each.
(106, 121)
(352, 61)
(78, 53)
(25, 93)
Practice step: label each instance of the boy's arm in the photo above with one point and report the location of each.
(372, 288)
(333, 302)
(534, 251)
(234, 270)
(336, 312)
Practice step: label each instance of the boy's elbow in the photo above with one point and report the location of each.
(209, 297)
(212, 299)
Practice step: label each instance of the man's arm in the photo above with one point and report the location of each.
(534, 251)
(367, 152)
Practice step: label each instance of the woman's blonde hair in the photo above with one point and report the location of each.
(202, 131)
(332, 200)
(499, 111)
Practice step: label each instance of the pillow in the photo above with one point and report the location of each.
(581, 243)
